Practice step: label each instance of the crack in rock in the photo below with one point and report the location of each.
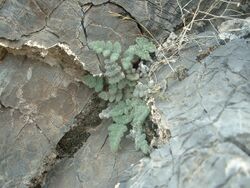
(87, 119)
(72, 140)
(238, 144)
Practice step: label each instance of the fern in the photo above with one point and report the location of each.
(121, 85)
(116, 132)
(143, 48)
(126, 118)
(140, 111)
(141, 90)
(141, 143)
(93, 82)
(97, 46)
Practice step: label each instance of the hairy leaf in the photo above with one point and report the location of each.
(145, 44)
(114, 57)
(108, 49)
(117, 48)
(104, 95)
(141, 143)
(97, 46)
(133, 77)
(116, 132)
(141, 112)
(99, 84)
(93, 82)
(113, 89)
(120, 108)
(124, 119)
(119, 96)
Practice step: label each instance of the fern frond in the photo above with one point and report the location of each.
(120, 108)
(116, 132)
(133, 77)
(108, 49)
(89, 80)
(113, 89)
(106, 112)
(112, 70)
(143, 48)
(93, 82)
(117, 48)
(141, 143)
(124, 119)
(104, 95)
(97, 46)
(126, 62)
(128, 92)
(121, 88)
(145, 44)
(99, 84)
(122, 84)
(143, 54)
(114, 57)
(141, 90)
(116, 78)
(141, 112)
(119, 96)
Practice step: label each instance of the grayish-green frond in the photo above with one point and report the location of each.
(141, 112)
(125, 119)
(141, 143)
(122, 86)
(97, 46)
(108, 49)
(104, 95)
(93, 82)
(116, 132)
(141, 90)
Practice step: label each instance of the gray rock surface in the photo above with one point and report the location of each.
(43, 54)
(208, 117)
(41, 26)
(38, 104)
(93, 165)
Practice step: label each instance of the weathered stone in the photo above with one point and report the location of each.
(71, 24)
(94, 165)
(64, 24)
(38, 104)
(44, 53)
(208, 117)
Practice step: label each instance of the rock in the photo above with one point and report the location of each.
(39, 27)
(94, 165)
(67, 25)
(43, 55)
(38, 103)
(109, 27)
(232, 29)
(208, 117)
(43, 52)
(160, 18)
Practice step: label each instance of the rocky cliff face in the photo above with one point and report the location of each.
(208, 117)
(50, 133)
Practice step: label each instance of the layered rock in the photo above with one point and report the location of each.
(43, 55)
(208, 117)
